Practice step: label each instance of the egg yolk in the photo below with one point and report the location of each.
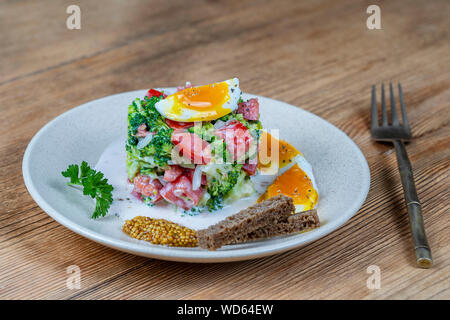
(286, 152)
(208, 99)
(296, 184)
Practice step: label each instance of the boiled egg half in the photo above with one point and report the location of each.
(294, 178)
(203, 103)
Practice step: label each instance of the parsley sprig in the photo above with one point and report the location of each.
(94, 184)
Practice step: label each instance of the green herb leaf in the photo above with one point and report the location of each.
(94, 184)
(72, 173)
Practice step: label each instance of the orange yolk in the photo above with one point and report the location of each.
(286, 152)
(210, 97)
(296, 184)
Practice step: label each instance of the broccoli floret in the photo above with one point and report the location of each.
(221, 180)
(132, 140)
(154, 119)
(226, 117)
(220, 187)
(149, 103)
(161, 147)
(215, 203)
(204, 130)
(158, 151)
(219, 151)
(148, 201)
(234, 116)
(144, 112)
(135, 121)
(243, 188)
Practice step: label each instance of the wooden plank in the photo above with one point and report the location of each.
(318, 55)
(38, 38)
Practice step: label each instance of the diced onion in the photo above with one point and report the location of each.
(145, 141)
(197, 178)
(219, 124)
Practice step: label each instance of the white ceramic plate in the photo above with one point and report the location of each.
(340, 169)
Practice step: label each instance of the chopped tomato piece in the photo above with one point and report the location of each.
(179, 124)
(250, 168)
(192, 147)
(249, 109)
(148, 187)
(180, 193)
(136, 195)
(173, 173)
(237, 138)
(155, 93)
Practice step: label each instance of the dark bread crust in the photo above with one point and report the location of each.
(302, 221)
(267, 212)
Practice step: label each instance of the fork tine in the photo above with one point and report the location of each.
(393, 108)
(403, 108)
(383, 107)
(374, 111)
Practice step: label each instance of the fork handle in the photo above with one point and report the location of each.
(421, 247)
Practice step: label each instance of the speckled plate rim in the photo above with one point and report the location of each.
(232, 253)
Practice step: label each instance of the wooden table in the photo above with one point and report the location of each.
(315, 54)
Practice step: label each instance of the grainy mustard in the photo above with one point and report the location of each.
(160, 231)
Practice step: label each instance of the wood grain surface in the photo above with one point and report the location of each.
(318, 55)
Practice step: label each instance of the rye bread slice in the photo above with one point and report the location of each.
(268, 212)
(302, 221)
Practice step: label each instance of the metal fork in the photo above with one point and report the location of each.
(398, 133)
